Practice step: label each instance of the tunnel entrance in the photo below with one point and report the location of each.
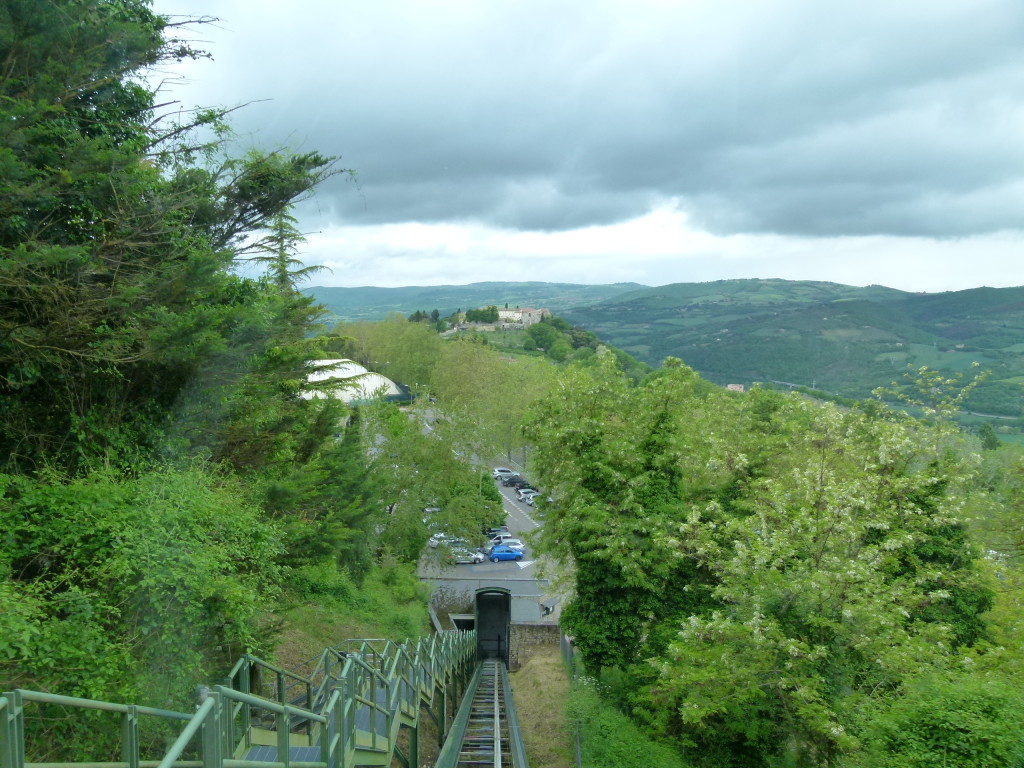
(493, 619)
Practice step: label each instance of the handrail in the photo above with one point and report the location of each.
(104, 706)
(383, 678)
(250, 659)
(273, 706)
(189, 733)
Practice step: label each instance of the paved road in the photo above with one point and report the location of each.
(530, 593)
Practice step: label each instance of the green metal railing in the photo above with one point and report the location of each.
(349, 708)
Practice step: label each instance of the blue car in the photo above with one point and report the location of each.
(501, 552)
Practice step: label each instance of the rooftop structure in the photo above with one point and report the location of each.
(358, 384)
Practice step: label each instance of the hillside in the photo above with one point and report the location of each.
(837, 338)
(370, 303)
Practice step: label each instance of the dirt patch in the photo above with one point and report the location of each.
(540, 688)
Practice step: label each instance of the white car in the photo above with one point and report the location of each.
(499, 472)
(508, 540)
(526, 493)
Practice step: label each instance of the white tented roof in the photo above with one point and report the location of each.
(365, 385)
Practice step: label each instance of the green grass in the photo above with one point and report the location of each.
(609, 739)
(390, 603)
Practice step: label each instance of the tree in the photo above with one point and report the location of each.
(406, 352)
(778, 562)
(278, 250)
(416, 471)
(116, 239)
(488, 314)
(484, 395)
(989, 438)
(544, 335)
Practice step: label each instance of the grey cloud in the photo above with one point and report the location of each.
(790, 116)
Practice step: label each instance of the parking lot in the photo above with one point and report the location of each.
(532, 596)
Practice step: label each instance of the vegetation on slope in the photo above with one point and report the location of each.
(759, 579)
(164, 483)
(835, 338)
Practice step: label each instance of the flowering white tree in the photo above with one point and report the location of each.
(767, 565)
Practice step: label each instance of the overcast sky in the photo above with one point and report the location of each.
(653, 141)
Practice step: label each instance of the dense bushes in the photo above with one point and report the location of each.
(609, 739)
(969, 721)
(130, 588)
(761, 569)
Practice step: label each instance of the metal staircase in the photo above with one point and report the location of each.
(347, 711)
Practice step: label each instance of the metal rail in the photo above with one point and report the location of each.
(485, 730)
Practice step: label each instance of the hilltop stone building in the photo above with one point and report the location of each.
(525, 316)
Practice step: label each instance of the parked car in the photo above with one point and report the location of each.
(465, 555)
(502, 552)
(518, 482)
(523, 493)
(501, 538)
(513, 543)
(509, 479)
(427, 512)
(440, 538)
(499, 472)
(490, 533)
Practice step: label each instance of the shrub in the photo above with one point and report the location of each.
(969, 722)
(609, 739)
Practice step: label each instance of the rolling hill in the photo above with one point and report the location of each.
(369, 303)
(837, 338)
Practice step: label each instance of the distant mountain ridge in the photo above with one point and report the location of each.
(838, 338)
(372, 303)
(842, 339)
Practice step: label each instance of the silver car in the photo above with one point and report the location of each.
(465, 555)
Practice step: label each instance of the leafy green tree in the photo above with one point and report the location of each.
(544, 335)
(418, 470)
(406, 352)
(778, 562)
(988, 436)
(487, 314)
(484, 396)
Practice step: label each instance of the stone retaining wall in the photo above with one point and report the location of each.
(525, 637)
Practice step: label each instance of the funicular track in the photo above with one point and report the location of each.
(485, 731)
